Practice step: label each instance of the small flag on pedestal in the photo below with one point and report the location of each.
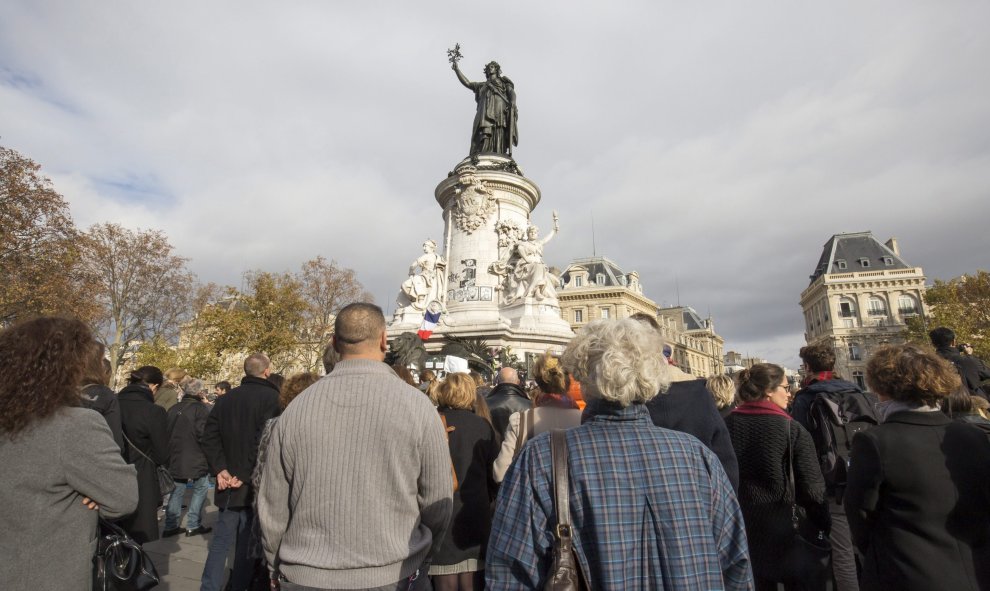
(430, 320)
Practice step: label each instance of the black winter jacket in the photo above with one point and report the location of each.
(690, 408)
(918, 503)
(472, 452)
(971, 370)
(504, 400)
(102, 399)
(143, 423)
(230, 439)
(185, 423)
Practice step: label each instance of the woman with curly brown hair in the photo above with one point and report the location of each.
(918, 492)
(146, 446)
(61, 465)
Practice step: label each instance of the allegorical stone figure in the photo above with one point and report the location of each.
(523, 271)
(427, 281)
(494, 130)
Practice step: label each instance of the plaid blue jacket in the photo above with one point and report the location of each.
(651, 509)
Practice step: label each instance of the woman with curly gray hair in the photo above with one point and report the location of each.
(622, 470)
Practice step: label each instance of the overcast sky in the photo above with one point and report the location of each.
(718, 145)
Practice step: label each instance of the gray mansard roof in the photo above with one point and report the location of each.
(856, 252)
(595, 266)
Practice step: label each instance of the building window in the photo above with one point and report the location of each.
(847, 309)
(859, 379)
(877, 307)
(889, 261)
(854, 353)
(604, 313)
(864, 262)
(600, 279)
(578, 315)
(841, 264)
(907, 305)
(578, 281)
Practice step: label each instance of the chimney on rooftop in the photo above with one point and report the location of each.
(892, 245)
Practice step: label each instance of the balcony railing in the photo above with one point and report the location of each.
(874, 312)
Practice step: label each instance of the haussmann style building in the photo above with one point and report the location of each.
(860, 296)
(596, 288)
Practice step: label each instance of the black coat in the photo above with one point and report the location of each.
(761, 445)
(971, 370)
(143, 423)
(230, 439)
(690, 408)
(473, 449)
(103, 400)
(504, 400)
(185, 423)
(918, 503)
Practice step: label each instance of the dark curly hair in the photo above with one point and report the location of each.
(42, 362)
(819, 357)
(911, 374)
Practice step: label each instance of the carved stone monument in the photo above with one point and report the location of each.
(489, 279)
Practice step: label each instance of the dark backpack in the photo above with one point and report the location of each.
(834, 418)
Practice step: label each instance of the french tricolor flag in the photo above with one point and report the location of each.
(430, 320)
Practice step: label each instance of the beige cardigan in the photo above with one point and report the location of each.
(544, 419)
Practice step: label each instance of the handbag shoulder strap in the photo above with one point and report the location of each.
(561, 503)
(790, 466)
(790, 492)
(137, 449)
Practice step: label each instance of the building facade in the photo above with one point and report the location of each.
(697, 348)
(596, 288)
(861, 294)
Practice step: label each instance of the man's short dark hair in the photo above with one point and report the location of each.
(942, 337)
(358, 323)
(256, 364)
(819, 357)
(224, 385)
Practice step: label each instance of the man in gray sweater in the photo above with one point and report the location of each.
(356, 489)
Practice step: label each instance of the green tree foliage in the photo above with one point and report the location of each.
(39, 246)
(962, 304)
(157, 352)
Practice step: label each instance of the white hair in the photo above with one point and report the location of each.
(618, 360)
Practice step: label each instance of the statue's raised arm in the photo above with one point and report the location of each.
(553, 231)
(460, 76)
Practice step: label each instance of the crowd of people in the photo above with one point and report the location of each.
(613, 461)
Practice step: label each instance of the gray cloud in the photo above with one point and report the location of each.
(718, 146)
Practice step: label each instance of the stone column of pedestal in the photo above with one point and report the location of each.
(487, 207)
(478, 201)
(486, 210)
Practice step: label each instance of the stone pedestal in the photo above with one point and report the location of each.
(486, 210)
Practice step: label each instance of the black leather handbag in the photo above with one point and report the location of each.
(120, 564)
(807, 555)
(565, 574)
